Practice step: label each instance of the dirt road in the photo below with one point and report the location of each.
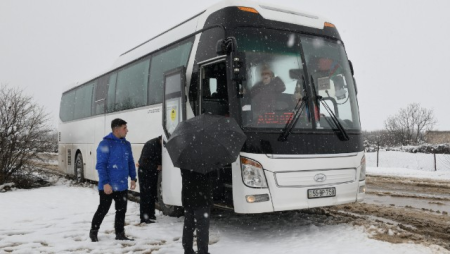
(401, 210)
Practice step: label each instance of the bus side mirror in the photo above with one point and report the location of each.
(220, 49)
(340, 87)
(351, 67)
(226, 46)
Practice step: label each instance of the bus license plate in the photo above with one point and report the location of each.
(322, 193)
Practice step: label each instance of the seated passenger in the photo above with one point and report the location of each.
(264, 93)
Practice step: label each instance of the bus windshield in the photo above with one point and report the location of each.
(276, 78)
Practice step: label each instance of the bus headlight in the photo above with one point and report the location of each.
(252, 173)
(362, 173)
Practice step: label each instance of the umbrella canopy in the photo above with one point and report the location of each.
(205, 142)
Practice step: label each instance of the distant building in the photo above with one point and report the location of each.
(437, 137)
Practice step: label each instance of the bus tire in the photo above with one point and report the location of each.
(79, 168)
(169, 210)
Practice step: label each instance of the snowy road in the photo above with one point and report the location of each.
(57, 219)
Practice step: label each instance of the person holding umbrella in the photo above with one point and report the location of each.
(199, 146)
(196, 197)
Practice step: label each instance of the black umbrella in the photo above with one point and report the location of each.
(205, 142)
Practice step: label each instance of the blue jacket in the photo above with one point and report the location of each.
(115, 163)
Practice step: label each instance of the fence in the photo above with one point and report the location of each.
(397, 159)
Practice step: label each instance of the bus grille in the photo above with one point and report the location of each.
(315, 177)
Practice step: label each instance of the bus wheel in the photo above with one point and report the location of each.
(169, 210)
(79, 168)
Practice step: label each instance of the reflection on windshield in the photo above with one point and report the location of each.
(274, 79)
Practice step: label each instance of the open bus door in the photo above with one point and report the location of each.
(213, 98)
(174, 112)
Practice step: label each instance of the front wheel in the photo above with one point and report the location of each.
(169, 210)
(79, 168)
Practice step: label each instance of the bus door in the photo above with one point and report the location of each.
(213, 95)
(174, 111)
(213, 99)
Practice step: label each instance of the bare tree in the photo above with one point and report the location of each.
(409, 125)
(378, 138)
(23, 132)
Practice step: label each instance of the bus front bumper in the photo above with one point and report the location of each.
(277, 198)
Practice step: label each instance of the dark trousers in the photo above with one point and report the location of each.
(148, 185)
(196, 218)
(120, 200)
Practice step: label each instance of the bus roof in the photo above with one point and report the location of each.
(197, 22)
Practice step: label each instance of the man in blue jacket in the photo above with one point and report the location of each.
(114, 164)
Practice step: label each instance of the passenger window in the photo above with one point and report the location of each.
(132, 84)
(83, 101)
(213, 86)
(101, 90)
(170, 59)
(111, 93)
(67, 106)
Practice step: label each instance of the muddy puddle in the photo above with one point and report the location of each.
(419, 203)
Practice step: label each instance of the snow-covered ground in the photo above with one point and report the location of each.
(57, 219)
(417, 165)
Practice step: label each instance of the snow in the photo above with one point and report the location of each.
(57, 219)
(415, 165)
(5, 186)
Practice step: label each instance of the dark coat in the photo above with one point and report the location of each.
(197, 189)
(150, 157)
(264, 96)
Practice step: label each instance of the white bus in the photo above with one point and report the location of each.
(305, 150)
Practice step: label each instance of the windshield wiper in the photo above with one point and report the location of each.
(339, 130)
(297, 112)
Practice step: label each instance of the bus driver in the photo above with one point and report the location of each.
(264, 93)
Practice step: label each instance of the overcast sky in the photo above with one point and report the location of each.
(400, 49)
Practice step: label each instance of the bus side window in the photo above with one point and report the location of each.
(111, 99)
(67, 106)
(83, 101)
(101, 90)
(132, 85)
(168, 59)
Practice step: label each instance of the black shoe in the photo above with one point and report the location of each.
(121, 236)
(152, 217)
(93, 235)
(147, 221)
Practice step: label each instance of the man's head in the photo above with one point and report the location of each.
(321, 64)
(266, 74)
(119, 128)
